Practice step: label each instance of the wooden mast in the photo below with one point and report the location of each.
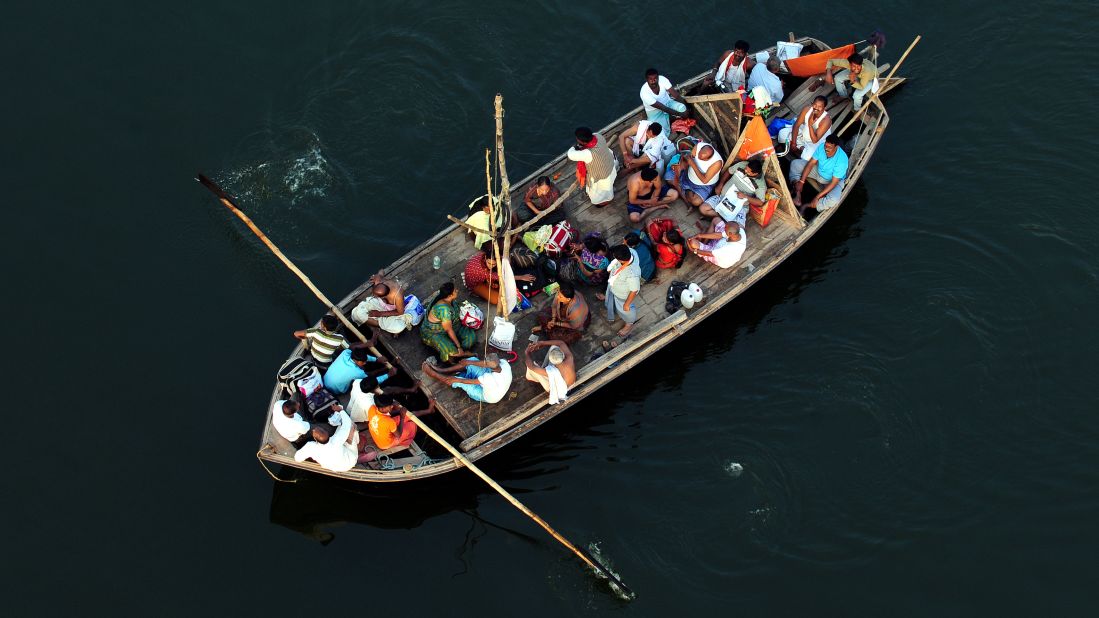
(505, 198)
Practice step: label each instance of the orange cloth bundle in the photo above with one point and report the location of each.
(814, 64)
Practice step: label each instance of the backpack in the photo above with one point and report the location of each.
(559, 238)
(675, 291)
(298, 372)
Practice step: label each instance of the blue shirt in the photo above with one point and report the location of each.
(644, 260)
(342, 372)
(834, 167)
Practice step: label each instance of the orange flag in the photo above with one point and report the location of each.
(813, 64)
(757, 141)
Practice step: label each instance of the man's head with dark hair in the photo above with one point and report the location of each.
(648, 174)
(831, 145)
(566, 289)
(655, 129)
(381, 290)
(832, 139)
(481, 203)
(820, 98)
(384, 402)
(290, 407)
(583, 135)
(755, 166)
(674, 236)
(360, 356)
(368, 384)
(329, 322)
(741, 45)
(621, 253)
(650, 72)
(632, 239)
(855, 58)
(543, 181)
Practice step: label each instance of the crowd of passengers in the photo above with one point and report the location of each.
(555, 257)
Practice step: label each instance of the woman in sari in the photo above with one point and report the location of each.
(441, 330)
(588, 261)
(567, 317)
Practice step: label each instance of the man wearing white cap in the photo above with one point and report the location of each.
(557, 374)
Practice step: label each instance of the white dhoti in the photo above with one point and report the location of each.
(602, 191)
(391, 324)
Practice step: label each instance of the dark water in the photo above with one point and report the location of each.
(908, 396)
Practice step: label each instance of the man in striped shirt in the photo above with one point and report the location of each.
(323, 342)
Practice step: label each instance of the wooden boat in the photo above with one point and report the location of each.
(481, 429)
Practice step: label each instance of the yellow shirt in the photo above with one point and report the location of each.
(863, 79)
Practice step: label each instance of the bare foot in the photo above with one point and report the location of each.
(625, 330)
(601, 296)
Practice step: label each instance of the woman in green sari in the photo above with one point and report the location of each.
(441, 330)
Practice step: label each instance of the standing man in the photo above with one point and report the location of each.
(853, 82)
(828, 167)
(596, 167)
(623, 284)
(731, 70)
(661, 101)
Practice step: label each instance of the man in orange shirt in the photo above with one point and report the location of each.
(387, 425)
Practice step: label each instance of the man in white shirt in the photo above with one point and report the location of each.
(764, 75)
(362, 397)
(286, 420)
(645, 146)
(336, 451)
(723, 245)
(661, 101)
(487, 380)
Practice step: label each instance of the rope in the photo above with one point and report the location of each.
(269, 473)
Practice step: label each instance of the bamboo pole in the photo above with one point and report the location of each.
(228, 203)
(545, 211)
(583, 555)
(874, 96)
(475, 230)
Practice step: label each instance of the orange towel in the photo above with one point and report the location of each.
(814, 64)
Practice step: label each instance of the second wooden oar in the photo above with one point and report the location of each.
(583, 555)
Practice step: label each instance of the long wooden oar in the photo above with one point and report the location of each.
(585, 556)
(866, 104)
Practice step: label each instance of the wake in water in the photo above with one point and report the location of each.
(597, 553)
(301, 173)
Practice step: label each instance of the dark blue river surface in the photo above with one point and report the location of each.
(908, 396)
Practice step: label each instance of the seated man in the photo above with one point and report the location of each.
(596, 167)
(539, 196)
(647, 194)
(487, 380)
(740, 185)
(764, 74)
(336, 451)
(661, 101)
(642, 254)
(722, 245)
(730, 72)
(351, 365)
(323, 341)
(668, 243)
(558, 372)
(286, 420)
(481, 211)
(855, 81)
(362, 396)
(812, 126)
(696, 173)
(828, 167)
(388, 425)
(645, 147)
(567, 317)
(384, 308)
